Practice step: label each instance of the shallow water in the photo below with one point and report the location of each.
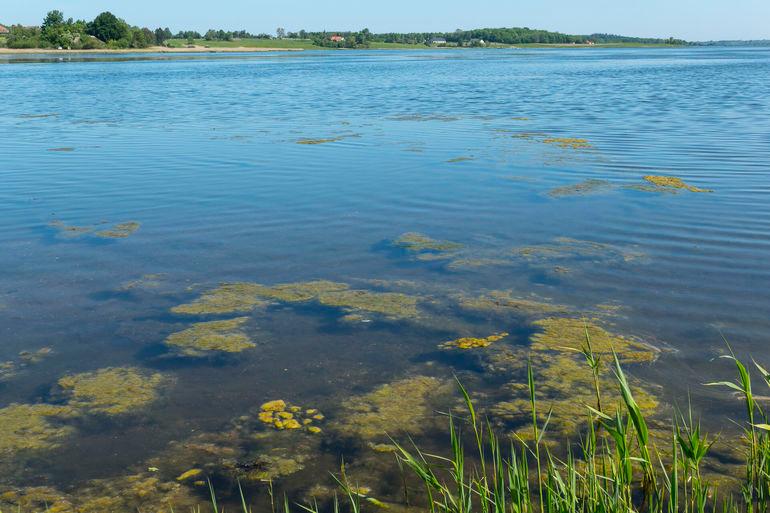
(202, 151)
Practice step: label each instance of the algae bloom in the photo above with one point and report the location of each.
(672, 182)
(473, 343)
(281, 416)
(205, 337)
(117, 231)
(503, 301)
(589, 186)
(111, 391)
(227, 298)
(417, 243)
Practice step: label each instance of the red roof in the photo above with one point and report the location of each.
(337, 38)
(4, 29)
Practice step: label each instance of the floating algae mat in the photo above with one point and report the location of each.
(567, 142)
(672, 182)
(472, 342)
(210, 337)
(279, 415)
(247, 296)
(117, 231)
(10, 368)
(420, 244)
(567, 248)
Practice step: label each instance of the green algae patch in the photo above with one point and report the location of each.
(145, 282)
(111, 391)
(418, 243)
(66, 149)
(119, 231)
(389, 304)
(584, 188)
(503, 301)
(568, 142)
(227, 298)
(36, 498)
(204, 338)
(400, 407)
(282, 416)
(472, 342)
(561, 333)
(672, 182)
(457, 160)
(32, 427)
(132, 493)
(302, 291)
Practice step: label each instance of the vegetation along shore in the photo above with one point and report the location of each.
(108, 32)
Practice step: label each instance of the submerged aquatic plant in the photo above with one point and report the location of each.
(568, 142)
(589, 186)
(32, 427)
(111, 391)
(227, 298)
(204, 338)
(117, 231)
(418, 243)
(503, 301)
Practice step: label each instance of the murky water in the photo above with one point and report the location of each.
(480, 148)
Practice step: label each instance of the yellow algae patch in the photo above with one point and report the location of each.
(673, 182)
(206, 337)
(281, 416)
(32, 427)
(400, 407)
(560, 333)
(195, 472)
(418, 243)
(111, 391)
(390, 304)
(503, 301)
(473, 343)
(567, 142)
(300, 292)
(69, 230)
(133, 493)
(590, 186)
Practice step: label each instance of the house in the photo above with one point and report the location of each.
(438, 41)
(337, 39)
(4, 30)
(590, 43)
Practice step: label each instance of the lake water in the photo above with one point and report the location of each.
(212, 156)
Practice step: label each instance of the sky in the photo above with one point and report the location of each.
(694, 20)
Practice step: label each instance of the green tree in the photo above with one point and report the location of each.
(108, 27)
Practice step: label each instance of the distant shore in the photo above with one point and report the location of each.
(150, 49)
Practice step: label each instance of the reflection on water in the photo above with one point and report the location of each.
(247, 266)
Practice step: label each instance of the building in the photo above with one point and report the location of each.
(4, 30)
(438, 41)
(338, 39)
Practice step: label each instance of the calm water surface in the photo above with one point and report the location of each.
(203, 152)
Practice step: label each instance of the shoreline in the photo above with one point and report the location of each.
(149, 49)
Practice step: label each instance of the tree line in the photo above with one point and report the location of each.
(109, 31)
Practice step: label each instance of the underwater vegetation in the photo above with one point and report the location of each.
(246, 296)
(672, 182)
(25, 359)
(503, 301)
(566, 248)
(567, 142)
(424, 117)
(111, 391)
(561, 333)
(32, 427)
(319, 141)
(279, 415)
(215, 336)
(227, 298)
(117, 231)
(589, 186)
(457, 160)
(400, 407)
(145, 282)
(62, 150)
(472, 342)
(418, 243)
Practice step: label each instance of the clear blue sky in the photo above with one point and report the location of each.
(689, 19)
